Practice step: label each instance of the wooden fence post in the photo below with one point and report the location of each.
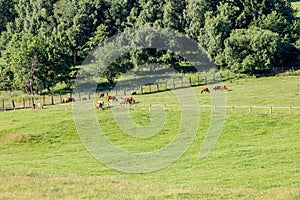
(24, 104)
(228, 75)
(149, 87)
(190, 79)
(250, 109)
(44, 100)
(215, 108)
(232, 108)
(52, 100)
(13, 104)
(141, 89)
(157, 86)
(290, 110)
(271, 110)
(3, 105)
(173, 84)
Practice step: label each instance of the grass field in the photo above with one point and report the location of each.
(257, 155)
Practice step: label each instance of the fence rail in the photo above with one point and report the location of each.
(207, 108)
(215, 108)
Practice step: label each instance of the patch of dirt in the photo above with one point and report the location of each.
(13, 138)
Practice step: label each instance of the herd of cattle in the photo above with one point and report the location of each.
(215, 88)
(124, 100)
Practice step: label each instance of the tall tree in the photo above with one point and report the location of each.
(26, 58)
(7, 13)
(194, 17)
(173, 15)
(217, 28)
(151, 13)
(77, 21)
(251, 50)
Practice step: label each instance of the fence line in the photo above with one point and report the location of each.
(211, 108)
(215, 108)
(120, 90)
(125, 89)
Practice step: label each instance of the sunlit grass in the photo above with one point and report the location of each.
(256, 155)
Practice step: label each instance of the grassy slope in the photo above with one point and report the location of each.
(257, 155)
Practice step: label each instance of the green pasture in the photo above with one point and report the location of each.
(256, 155)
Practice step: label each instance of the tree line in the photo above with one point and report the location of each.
(42, 42)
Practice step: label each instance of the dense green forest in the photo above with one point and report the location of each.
(42, 42)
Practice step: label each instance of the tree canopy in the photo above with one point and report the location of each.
(43, 41)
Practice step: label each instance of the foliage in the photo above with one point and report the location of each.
(255, 57)
(26, 59)
(71, 29)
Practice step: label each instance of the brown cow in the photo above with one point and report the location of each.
(33, 105)
(217, 87)
(101, 95)
(204, 90)
(126, 100)
(223, 87)
(133, 92)
(114, 98)
(99, 105)
(68, 99)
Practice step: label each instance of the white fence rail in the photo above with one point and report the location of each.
(216, 108)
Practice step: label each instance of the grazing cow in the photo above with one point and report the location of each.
(123, 101)
(204, 90)
(69, 99)
(223, 87)
(131, 100)
(217, 87)
(220, 87)
(114, 98)
(133, 92)
(126, 100)
(39, 106)
(33, 105)
(99, 105)
(101, 95)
